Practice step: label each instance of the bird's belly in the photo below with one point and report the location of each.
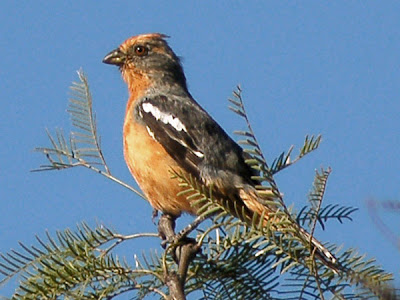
(152, 170)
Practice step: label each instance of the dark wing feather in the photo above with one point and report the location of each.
(193, 138)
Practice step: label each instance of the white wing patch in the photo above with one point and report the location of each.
(151, 133)
(164, 117)
(199, 154)
(167, 119)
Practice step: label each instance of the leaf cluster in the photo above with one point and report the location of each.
(75, 265)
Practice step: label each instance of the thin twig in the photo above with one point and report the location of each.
(122, 238)
(79, 162)
(317, 279)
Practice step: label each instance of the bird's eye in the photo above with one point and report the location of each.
(141, 50)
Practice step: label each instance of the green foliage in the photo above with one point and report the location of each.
(243, 256)
(75, 265)
(231, 270)
(331, 211)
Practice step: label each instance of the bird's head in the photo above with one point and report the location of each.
(147, 55)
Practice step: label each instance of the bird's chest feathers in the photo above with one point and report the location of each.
(150, 165)
(139, 146)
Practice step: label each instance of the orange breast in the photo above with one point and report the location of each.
(150, 165)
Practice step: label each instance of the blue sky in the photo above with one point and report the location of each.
(305, 68)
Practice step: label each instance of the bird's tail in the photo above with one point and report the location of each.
(252, 200)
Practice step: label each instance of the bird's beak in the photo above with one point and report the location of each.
(115, 57)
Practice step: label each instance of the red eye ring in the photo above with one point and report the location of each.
(141, 50)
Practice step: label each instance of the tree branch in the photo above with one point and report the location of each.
(183, 251)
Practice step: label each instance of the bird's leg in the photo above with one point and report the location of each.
(166, 228)
(183, 247)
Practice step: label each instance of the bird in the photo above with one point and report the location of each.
(166, 129)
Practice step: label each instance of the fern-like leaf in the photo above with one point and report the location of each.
(316, 196)
(83, 145)
(82, 148)
(85, 139)
(326, 213)
(77, 265)
(284, 160)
